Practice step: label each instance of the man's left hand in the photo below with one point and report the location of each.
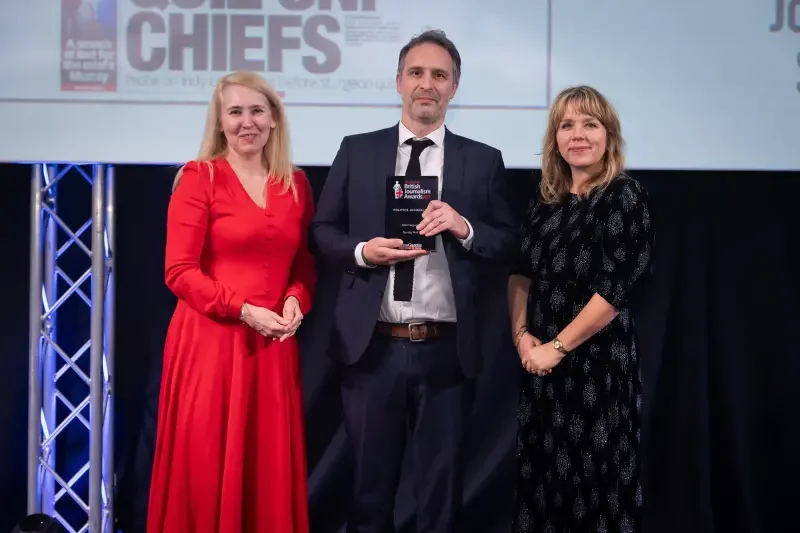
(439, 217)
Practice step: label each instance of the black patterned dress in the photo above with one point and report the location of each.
(578, 445)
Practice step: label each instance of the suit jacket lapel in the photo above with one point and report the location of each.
(385, 162)
(453, 171)
(452, 182)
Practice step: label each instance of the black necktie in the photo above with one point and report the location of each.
(404, 271)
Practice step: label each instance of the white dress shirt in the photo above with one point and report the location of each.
(432, 298)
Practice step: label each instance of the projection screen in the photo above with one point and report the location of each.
(710, 84)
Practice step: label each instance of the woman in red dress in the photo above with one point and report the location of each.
(230, 452)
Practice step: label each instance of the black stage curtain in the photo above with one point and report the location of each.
(717, 325)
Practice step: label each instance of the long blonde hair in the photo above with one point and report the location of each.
(556, 173)
(276, 151)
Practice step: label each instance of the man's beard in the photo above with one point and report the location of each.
(428, 115)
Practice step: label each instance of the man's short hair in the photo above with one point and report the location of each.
(434, 37)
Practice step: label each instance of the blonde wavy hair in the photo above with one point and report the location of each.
(276, 151)
(556, 173)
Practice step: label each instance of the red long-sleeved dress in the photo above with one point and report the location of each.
(230, 450)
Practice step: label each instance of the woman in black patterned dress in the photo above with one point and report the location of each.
(587, 239)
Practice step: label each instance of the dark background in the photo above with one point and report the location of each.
(717, 323)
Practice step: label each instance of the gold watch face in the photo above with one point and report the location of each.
(558, 345)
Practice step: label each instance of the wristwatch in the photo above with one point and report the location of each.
(559, 346)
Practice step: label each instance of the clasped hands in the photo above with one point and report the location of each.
(271, 324)
(437, 218)
(537, 358)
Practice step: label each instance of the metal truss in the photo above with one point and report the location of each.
(71, 329)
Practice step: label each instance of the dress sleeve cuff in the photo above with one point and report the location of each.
(302, 299)
(235, 306)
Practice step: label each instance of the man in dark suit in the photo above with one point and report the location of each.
(408, 323)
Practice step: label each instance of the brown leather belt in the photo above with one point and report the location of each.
(415, 331)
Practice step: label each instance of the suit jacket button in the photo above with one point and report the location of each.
(351, 272)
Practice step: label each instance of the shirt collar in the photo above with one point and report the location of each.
(437, 135)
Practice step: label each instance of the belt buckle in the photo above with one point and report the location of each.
(411, 336)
